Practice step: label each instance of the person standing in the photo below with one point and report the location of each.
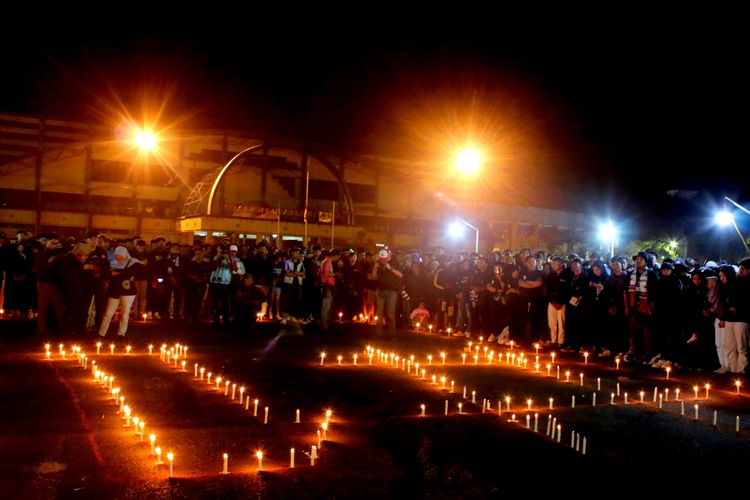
(557, 285)
(388, 280)
(327, 275)
(121, 291)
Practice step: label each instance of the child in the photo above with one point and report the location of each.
(419, 315)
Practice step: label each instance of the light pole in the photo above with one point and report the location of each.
(725, 218)
(608, 233)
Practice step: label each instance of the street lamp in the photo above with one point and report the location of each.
(725, 218)
(456, 231)
(608, 233)
(467, 162)
(145, 140)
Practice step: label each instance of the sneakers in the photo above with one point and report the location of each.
(606, 353)
(661, 363)
(722, 370)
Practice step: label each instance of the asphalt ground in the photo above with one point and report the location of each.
(62, 436)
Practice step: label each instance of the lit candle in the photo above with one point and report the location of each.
(434, 377)
(442, 355)
(242, 393)
(626, 398)
(442, 383)
(127, 416)
(511, 345)
(247, 403)
(183, 365)
(617, 363)
(593, 400)
(416, 371)
(573, 402)
(255, 408)
(559, 432)
(122, 403)
(142, 424)
(682, 408)
(341, 315)
(474, 397)
(464, 392)
(528, 421)
(48, 354)
(195, 370)
(695, 390)
(585, 358)
(170, 457)
(668, 369)
(452, 385)
(202, 371)
(259, 455)
(446, 407)
(463, 358)
(536, 346)
(476, 359)
(661, 399)
(536, 422)
(612, 398)
(429, 327)
(429, 359)
(642, 393)
(460, 407)
(598, 384)
(507, 403)
(677, 394)
(111, 348)
(339, 358)
(225, 470)
(157, 450)
(558, 372)
(567, 376)
(152, 440)
(265, 418)
(618, 389)
(528, 404)
(549, 423)
(554, 426)
(737, 384)
(98, 347)
(424, 372)
(549, 367)
(322, 357)
(355, 359)
(581, 376)
(423, 408)
(319, 439)
(696, 412)
(127, 349)
(553, 357)
(708, 388)
(226, 388)
(136, 420)
(536, 367)
(551, 401)
(666, 394)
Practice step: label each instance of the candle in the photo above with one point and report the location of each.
(696, 412)
(573, 402)
(618, 389)
(558, 372)
(583, 449)
(355, 359)
(142, 425)
(434, 380)
(265, 418)
(593, 400)
(641, 393)
(183, 365)
(442, 383)
(464, 392)
(513, 418)
(737, 384)
(682, 408)
(460, 407)
(485, 351)
(195, 370)
(553, 357)
(242, 394)
(446, 407)
(677, 394)
(152, 440)
(423, 408)
(656, 391)
(322, 357)
(226, 388)
(708, 387)
(429, 359)
(340, 357)
(499, 407)
(626, 398)
(578, 441)
(259, 455)
(127, 349)
(554, 426)
(442, 355)
(660, 401)
(170, 457)
(226, 464)
(127, 416)
(695, 390)
(507, 403)
(218, 381)
(48, 354)
(313, 455)
(536, 422)
(98, 347)
(319, 440)
(536, 367)
(598, 384)
(550, 402)
(581, 376)
(567, 376)
(528, 404)
(737, 424)
(668, 369)
(429, 327)
(666, 394)
(234, 390)
(474, 397)
(511, 345)
(255, 408)
(536, 347)
(202, 370)
(157, 450)
(122, 403)
(424, 372)
(452, 385)
(247, 403)
(617, 363)
(135, 424)
(528, 421)
(585, 358)
(549, 367)
(573, 439)
(549, 423)
(559, 432)
(476, 359)
(463, 358)
(715, 416)
(416, 369)
(296, 420)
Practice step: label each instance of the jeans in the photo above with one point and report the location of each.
(386, 302)
(125, 302)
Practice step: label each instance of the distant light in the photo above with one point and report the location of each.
(724, 218)
(607, 232)
(274, 236)
(455, 230)
(467, 162)
(145, 140)
(673, 244)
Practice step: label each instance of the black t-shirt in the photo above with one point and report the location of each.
(532, 293)
(558, 286)
(387, 280)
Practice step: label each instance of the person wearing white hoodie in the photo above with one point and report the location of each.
(121, 291)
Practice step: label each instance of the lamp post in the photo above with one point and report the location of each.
(608, 233)
(456, 230)
(725, 218)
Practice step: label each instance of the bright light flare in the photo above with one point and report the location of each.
(467, 162)
(607, 231)
(724, 218)
(145, 140)
(456, 230)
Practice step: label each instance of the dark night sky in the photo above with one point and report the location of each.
(619, 112)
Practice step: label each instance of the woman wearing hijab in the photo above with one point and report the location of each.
(121, 291)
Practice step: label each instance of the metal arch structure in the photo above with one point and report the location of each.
(199, 192)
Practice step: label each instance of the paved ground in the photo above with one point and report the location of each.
(60, 435)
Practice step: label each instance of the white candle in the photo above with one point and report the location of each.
(242, 393)
(617, 363)
(573, 402)
(452, 385)
(464, 392)
(708, 387)
(152, 440)
(567, 376)
(322, 357)
(618, 389)
(737, 384)
(296, 421)
(247, 403)
(476, 359)
(340, 357)
(677, 394)
(737, 424)
(463, 358)
(682, 408)
(507, 403)
(313, 455)
(715, 417)
(573, 439)
(234, 390)
(142, 425)
(528, 421)
(656, 391)
(668, 369)
(661, 401)
(157, 450)
(127, 350)
(551, 400)
(528, 404)
(355, 359)
(626, 398)
(581, 376)
(642, 394)
(578, 441)
(593, 400)
(559, 432)
(196, 370)
(98, 347)
(183, 365)
(598, 384)
(423, 408)
(202, 370)
(319, 439)
(666, 394)
(259, 455)
(135, 424)
(442, 355)
(291, 458)
(170, 457)
(460, 407)
(499, 407)
(585, 358)
(549, 367)
(255, 408)
(226, 464)
(446, 407)
(265, 418)
(111, 348)
(583, 450)
(226, 388)
(474, 397)
(696, 412)
(554, 426)
(695, 390)
(484, 405)
(536, 422)
(558, 372)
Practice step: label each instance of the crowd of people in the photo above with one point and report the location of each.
(663, 312)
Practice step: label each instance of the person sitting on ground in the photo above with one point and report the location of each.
(419, 315)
